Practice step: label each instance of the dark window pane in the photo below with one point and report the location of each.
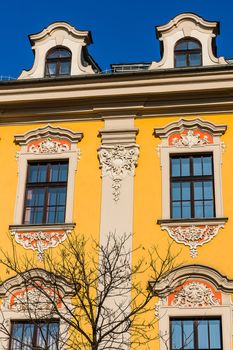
(64, 68)
(59, 53)
(188, 334)
(215, 336)
(35, 196)
(54, 172)
(208, 189)
(186, 195)
(51, 215)
(198, 209)
(198, 190)
(208, 209)
(203, 334)
(51, 69)
(185, 167)
(37, 216)
(197, 166)
(60, 215)
(182, 45)
(186, 210)
(193, 45)
(63, 172)
(53, 335)
(195, 59)
(181, 60)
(42, 171)
(61, 196)
(175, 167)
(176, 191)
(33, 172)
(176, 210)
(28, 335)
(176, 330)
(207, 166)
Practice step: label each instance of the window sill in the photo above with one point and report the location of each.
(194, 222)
(42, 227)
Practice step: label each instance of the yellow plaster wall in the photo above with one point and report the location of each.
(148, 201)
(86, 213)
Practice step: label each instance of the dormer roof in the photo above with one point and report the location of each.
(61, 34)
(187, 25)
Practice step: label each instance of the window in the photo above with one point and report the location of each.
(46, 188)
(188, 53)
(196, 334)
(192, 186)
(34, 335)
(58, 62)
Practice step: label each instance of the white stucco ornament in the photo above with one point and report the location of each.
(195, 294)
(49, 146)
(192, 236)
(118, 162)
(190, 140)
(40, 240)
(32, 300)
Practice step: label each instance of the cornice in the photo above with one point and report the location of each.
(181, 124)
(181, 274)
(48, 131)
(140, 95)
(84, 34)
(36, 275)
(188, 16)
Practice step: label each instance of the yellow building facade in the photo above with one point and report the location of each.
(145, 151)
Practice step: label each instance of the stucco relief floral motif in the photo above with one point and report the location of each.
(118, 162)
(190, 139)
(195, 294)
(40, 240)
(31, 299)
(49, 146)
(193, 236)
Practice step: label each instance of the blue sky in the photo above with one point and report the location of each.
(122, 31)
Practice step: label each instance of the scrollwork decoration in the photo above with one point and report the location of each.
(192, 236)
(118, 162)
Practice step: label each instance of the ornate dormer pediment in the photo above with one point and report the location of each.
(61, 35)
(187, 26)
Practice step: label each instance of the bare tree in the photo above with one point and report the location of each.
(106, 297)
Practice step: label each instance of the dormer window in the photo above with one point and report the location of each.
(188, 53)
(58, 62)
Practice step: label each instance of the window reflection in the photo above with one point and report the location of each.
(192, 186)
(45, 198)
(196, 334)
(28, 335)
(188, 53)
(58, 62)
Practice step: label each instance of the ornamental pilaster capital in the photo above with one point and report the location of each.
(118, 161)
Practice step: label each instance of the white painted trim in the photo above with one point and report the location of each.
(70, 153)
(166, 151)
(23, 159)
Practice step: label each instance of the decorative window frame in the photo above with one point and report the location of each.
(45, 143)
(16, 289)
(218, 302)
(183, 137)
